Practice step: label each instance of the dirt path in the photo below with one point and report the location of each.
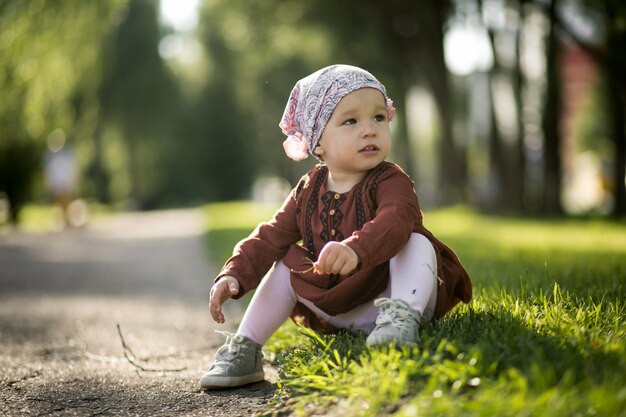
(62, 296)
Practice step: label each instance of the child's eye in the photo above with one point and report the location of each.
(380, 117)
(349, 122)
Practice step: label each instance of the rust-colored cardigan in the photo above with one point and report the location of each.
(375, 218)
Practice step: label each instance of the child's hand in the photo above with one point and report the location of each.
(224, 288)
(336, 258)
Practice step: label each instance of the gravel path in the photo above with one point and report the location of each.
(62, 296)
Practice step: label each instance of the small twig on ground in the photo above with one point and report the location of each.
(100, 358)
(132, 358)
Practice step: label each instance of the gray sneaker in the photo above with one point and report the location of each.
(238, 362)
(396, 323)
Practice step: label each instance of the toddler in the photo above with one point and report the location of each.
(348, 247)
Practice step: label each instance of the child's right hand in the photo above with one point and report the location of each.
(224, 288)
(336, 258)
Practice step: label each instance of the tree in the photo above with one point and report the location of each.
(506, 158)
(432, 15)
(609, 55)
(517, 188)
(139, 97)
(614, 66)
(403, 44)
(551, 120)
(269, 46)
(47, 48)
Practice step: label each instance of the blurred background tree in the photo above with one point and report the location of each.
(610, 17)
(139, 101)
(510, 105)
(47, 50)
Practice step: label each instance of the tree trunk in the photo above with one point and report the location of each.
(497, 163)
(618, 137)
(97, 170)
(551, 122)
(452, 164)
(20, 163)
(403, 152)
(134, 169)
(611, 59)
(615, 67)
(506, 160)
(518, 160)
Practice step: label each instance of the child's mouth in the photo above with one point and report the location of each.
(369, 148)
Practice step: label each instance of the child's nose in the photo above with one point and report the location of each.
(369, 129)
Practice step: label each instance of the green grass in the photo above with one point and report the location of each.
(545, 334)
(229, 222)
(45, 218)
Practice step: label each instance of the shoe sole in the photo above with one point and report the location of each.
(217, 382)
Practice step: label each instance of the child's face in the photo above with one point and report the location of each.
(357, 137)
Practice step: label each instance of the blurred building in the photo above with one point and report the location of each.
(583, 186)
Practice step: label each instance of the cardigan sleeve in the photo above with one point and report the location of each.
(395, 218)
(254, 256)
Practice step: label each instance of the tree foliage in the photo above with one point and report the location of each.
(46, 48)
(608, 53)
(93, 69)
(139, 100)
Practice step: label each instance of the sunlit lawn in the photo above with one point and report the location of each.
(228, 223)
(545, 334)
(44, 218)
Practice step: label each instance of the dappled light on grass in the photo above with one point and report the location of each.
(472, 232)
(545, 334)
(521, 255)
(547, 354)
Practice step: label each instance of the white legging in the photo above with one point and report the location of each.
(413, 279)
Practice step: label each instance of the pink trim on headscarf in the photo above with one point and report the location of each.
(391, 111)
(296, 147)
(313, 100)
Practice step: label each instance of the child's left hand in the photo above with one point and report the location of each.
(336, 258)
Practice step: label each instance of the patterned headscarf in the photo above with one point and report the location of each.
(313, 100)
